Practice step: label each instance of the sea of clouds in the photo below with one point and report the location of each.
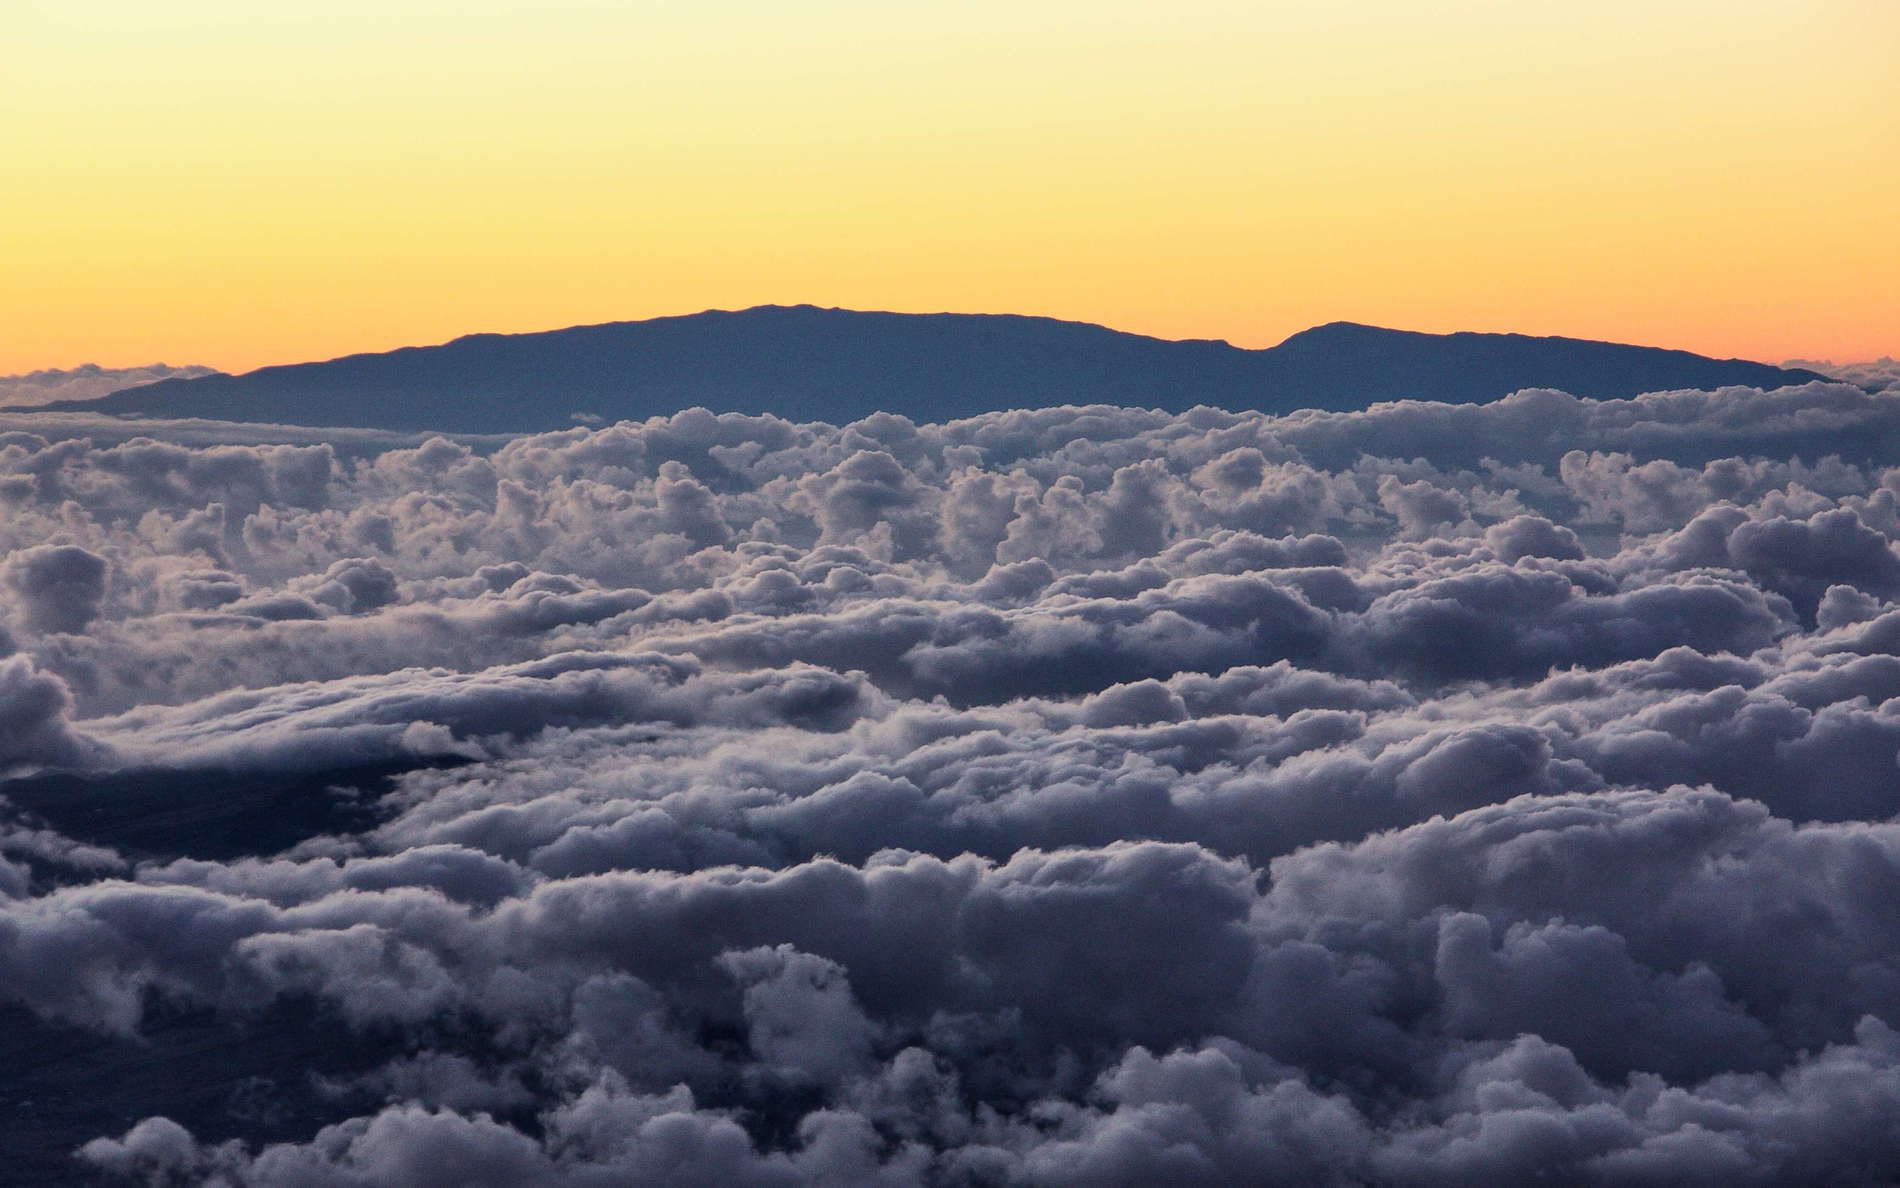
(1424, 795)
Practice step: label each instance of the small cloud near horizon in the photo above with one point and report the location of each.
(88, 381)
(1874, 375)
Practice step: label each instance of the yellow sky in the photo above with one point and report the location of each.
(240, 183)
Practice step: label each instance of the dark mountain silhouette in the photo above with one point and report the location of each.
(836, 365)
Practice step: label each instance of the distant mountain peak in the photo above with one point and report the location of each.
(1343, 327)
(807, 362)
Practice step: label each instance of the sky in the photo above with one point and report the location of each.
(222, 182)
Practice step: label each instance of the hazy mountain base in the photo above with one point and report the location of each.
(1069, 796)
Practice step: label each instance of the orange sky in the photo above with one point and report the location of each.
(231, 183)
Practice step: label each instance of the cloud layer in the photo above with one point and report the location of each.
(1428, 794)
(86, 382)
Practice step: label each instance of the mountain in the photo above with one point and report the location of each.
(807, 363)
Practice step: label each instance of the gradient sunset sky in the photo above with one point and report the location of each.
(241, 183)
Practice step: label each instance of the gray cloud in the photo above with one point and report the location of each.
(1876, 375)
(55, 587)
(1425, 794)
(88, 381)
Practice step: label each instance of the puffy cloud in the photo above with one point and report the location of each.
(89, 381)
(36, 726)
(55, 587)
(1423, 794)
(1876, 375)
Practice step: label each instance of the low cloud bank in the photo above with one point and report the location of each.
(1428, 794)
(1876, 375)
(86, 382)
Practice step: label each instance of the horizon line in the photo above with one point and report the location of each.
(1790, 363)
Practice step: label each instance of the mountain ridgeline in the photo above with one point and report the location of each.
(810, 364)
